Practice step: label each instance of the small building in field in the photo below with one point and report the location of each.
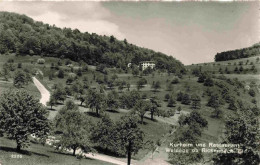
(146, 64)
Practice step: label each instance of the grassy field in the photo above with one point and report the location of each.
(40, 155)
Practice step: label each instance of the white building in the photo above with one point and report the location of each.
(146, 64)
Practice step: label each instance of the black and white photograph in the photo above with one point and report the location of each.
(129, 82)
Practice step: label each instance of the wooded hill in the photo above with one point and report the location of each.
(22, 35)
(238, 53)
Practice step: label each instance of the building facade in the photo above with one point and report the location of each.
(146, 64)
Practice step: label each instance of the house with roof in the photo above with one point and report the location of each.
(146, 64)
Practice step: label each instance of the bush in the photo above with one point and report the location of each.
(251, 92)
(208, 82)
(171, 102)
(19, 65)
(175, 81)
(60, 74)
(167, 96)
(40, 61)
(10, 60)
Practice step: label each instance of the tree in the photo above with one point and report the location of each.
(217, 113)
(181, 119)
(155, 103)
(251, 92)
(195, 102)
(75, 128)
(189, 132)
(213, 101)
(201, 78)
(141, 83)
(129, 136)
(120, 87)
(141, 108)
(186, 99)
(179, 96)
(156, 85)
(135, 70)
(22, 115)
(209, 82)
(195, 117)
(171, 102)
(51, 102)
(5, 72)
(129, 99)
(175, 81)
(59, 94)
(113, 100)
(179, 109)
(241, 128)
(20, 79)
(60, 74)
(128, 86)
(103, 134)
(96, 101)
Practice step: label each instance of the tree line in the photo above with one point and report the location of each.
(238, 53)
(22, 35)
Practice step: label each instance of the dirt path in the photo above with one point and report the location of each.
(45, 94)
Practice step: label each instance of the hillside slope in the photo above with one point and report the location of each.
(24, 36)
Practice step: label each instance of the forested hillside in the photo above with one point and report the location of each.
(22, 35)
(238, 53)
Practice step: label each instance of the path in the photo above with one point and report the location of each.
(45, 94)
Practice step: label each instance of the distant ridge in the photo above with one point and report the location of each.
(239, 53)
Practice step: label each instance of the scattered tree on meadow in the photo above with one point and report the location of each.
(61, 74)
(113, 100)
(5, 72)
(59, 94)
(75, 128)
(96, 101)
(135, 70)
(155, 103)
(156, 85)
(103, 134)
(195, 101)
(22, 115)
(208, 82)
(217, 113)
(129, 136)
(128, 100)
(186, 99)
(141, 108)
(171, 102)
(51, 102)
(128, 86)
(251, 92)
(175, 81)
(140, 83)
(21, 79)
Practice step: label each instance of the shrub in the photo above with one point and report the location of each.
(40, 61)
(19, 65)
(175, 81)
(251, 92)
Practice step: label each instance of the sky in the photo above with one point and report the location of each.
(192, 32)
